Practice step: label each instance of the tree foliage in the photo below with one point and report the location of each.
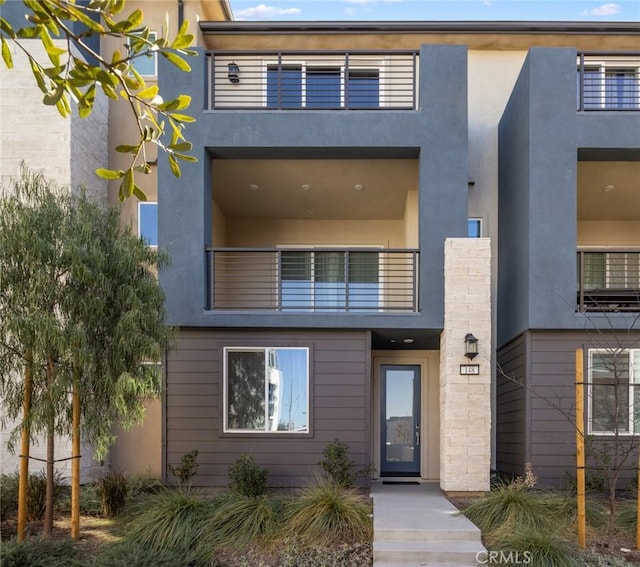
(76, 71)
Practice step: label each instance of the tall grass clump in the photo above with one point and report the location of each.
(241, 521)
(130, 554)
(37, 552)
(169, 520)
(112, 489)
(328, 513)
(627, 518)
(565, 507)
(531, 546)
(8, 496)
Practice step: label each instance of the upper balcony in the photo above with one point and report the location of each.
(313, 80)
(608, 80)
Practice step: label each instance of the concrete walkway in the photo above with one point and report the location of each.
(416, 526)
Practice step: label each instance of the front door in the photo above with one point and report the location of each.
(400, 427)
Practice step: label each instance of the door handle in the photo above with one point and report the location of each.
(418, 434)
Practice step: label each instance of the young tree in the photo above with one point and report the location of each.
(76, 71)
(82, 318)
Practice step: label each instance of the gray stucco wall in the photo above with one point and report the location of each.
(437, 132)
(540, 135)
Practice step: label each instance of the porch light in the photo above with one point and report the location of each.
(470, 346)
(234, 73)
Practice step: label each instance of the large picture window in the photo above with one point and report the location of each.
(267, 390)
(614, 391)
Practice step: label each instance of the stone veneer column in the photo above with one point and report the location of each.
(465, 401)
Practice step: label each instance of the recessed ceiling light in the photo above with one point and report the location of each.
(253, 187)
(392, 340)
(358, 187)
(306, 187)
(408, 341)
(608, 188)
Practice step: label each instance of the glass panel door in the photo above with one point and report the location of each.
(400, 423)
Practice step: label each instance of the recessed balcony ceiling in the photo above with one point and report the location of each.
(356, 189)
(609, 190)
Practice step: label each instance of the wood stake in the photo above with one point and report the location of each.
(75, 464)
(23, 482)
(580, 466)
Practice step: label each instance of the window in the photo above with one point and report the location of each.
(300, 85)
(614, 391)
(611, 270)
(267, 390)
(148, 223)
(330, 280)
(610, 87)
(146, 64)
(474, 228)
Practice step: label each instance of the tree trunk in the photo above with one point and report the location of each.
(23, 482)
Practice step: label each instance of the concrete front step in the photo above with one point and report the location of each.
(426, 554)
(471, 534)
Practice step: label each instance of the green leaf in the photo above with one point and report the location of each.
(182, 41)
(175, 167)
(53, 52)
(184, 157)
(181, 147)
(149, 92)
(6, 54)
(39, 76)
(6, 28)
(52, 97)
(182, 118)
(139, 193)
(128, 183)
(109, 174)
(63, 106)
(178, 61)
(125, 149)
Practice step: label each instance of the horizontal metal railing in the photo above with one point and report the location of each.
(313, 80)
(609, 280)
(609, 80)
(313, 279)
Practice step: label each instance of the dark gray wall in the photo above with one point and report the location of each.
(437, 131)
(540, 134)
(340, 404)
(536, 421)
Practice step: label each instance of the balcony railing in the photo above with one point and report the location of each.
(609, 280)
(313, 80)
(320, 280)
(609, 80)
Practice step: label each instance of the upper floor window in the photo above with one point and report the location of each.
(266, 390)
(474, 228)
(309, 86)
(148, 223)
(614, 391)
(147, 64)
(609, 87)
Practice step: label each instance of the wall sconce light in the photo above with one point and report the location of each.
(470, 346)
(234, 72)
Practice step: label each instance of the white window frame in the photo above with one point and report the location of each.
(602, 66)
(634, 382)
(153, 55)
(266, 350)
(140, 205)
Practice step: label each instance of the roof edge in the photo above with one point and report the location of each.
(380, 27)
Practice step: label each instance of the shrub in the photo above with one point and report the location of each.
(247, 478)
(8, 495)
(327, 513)
(36, 493)
(516, 507)
(90, 503)
(187, 468)
(112, 490)
(337, 464)
(141, 484)
(129, 554)
(37, 552)
(241, 521)
(533, 546)
(171, 520)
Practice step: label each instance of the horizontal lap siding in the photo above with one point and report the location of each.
(339, 404)
(553, 436)
(511, 408)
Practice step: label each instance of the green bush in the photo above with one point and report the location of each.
(327, 513)
(37, 552)
(187, 468)
(8, 496)
(532, 546)
(173, 520)
(241, 521)
(112, 489)
(131, 554)
(247, 478)
(337, 464)
(90, 503)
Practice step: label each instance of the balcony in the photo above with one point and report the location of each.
(313, 280)
(608, 80)
(313, 80)
(609, 280)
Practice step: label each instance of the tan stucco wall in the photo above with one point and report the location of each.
(608, 233)
(429, 362)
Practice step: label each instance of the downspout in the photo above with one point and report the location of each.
(180, 13)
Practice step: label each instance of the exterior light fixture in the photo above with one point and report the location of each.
(358, 187)
(234, 73)
(470, 346)
(306, 187)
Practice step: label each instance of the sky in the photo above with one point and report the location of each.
(547, 10)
